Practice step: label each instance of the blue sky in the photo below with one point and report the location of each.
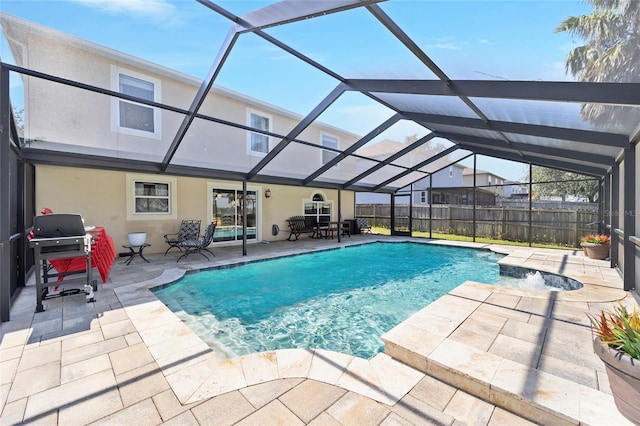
(468, 39)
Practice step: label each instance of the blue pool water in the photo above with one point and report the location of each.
(341, 300)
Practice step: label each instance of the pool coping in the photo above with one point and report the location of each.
(195, 373)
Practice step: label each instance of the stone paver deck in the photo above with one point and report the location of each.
(476, 356)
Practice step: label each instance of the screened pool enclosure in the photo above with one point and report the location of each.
(447, 111)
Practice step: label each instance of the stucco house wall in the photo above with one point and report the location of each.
(100, 197)
(63, 118)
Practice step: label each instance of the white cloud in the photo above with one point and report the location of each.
(448, 46)
(158, 10)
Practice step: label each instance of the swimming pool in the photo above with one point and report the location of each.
(341, 299)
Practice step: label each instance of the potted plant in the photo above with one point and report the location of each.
(596, 246)
(617, 343)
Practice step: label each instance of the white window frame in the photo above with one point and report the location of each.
(132, 178)
(216, 184)
(450, 171)
(423, 197)
(249, 133)
(115, 104)
(326, 201)
(322, 152)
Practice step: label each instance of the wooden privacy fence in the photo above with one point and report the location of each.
(549, 226)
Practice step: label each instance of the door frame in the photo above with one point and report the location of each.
(233, 186)
(393, 214)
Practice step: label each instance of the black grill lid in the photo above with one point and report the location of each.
(58, 225)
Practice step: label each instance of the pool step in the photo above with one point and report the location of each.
(461, 337)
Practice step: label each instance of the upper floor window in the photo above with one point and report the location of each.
(423, 197)
(258, 143)
(329, 142)
(450, 171)
(131, 117)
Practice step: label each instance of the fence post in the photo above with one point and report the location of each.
(575, 228)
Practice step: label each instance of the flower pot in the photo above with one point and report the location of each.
(137, 238)
(596, 251)
(624, 378)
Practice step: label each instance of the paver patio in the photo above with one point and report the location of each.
(126, 359)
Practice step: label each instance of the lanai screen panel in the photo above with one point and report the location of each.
(469, 131)
(346, 170)
(98, 58)
(423, 153)
(500, 47)
(578, 147)
(297, 161)
(545, 113)
(404, 181)
(347, 51)
(399, 136)
(428, 104)
(79, 121)
(446, 161)
(382, 175)
(216, 146)
(348, 118)
(263, 73)
(301, 162)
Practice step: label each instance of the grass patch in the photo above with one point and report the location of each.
(483, 240)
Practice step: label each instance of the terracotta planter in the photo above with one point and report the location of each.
(624, 378)
(596, 251)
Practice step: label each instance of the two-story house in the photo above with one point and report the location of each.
(487, 180)
(62, 118)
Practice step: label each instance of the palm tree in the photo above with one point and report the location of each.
(610, 53)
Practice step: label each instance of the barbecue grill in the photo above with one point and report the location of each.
(58, 236)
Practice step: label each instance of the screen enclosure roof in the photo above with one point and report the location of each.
(369, 70)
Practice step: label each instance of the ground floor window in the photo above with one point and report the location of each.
(318, 209)
(150, 197)
(227, 205)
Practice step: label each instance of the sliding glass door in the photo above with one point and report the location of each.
(227, 205)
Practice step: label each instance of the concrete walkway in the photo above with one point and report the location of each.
(126, 359)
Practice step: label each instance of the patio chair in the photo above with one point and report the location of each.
(198, 245)
(189, 230)
(363, 225)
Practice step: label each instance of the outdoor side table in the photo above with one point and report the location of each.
(133, 252)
